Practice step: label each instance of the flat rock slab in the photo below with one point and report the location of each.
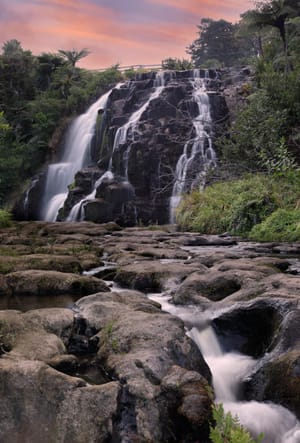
(37, 282)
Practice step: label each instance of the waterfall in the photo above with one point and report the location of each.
(228, 370)
(198, 154)
(130, 127)
(76, 156)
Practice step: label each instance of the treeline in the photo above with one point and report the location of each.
(38, 96)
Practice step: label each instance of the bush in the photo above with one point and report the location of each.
(281, 225)
(5, 219)
(237, 206)
(228, 429)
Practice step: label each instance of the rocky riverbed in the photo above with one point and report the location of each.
(87, 356)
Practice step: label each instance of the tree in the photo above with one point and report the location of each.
(12, 47)
(74, 55)
(47, 65)
(274, 13)
(217, 41)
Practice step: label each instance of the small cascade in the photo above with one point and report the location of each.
(229, 369)
(26, 199)
(198, 154)
(277, 424)
(129, 128)
(76, 156)
(77, 212)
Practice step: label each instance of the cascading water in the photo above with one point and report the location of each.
(76, 156)
(77, 212)
(131, 125)
(198, 154)
(276, 423)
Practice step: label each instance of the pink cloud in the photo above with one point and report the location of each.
(49, 25)
(229, 10)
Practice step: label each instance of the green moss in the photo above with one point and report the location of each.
(5, 218)
(8, 251)
(6, 267)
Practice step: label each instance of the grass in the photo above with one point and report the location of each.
(238, 206)
(281, 225)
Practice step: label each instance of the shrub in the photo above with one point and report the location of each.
(228, 429)
(237, 206)
(281, 225)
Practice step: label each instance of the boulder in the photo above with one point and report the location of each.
(143, 359)
(38, 405)
(153, 276)
(207, 284)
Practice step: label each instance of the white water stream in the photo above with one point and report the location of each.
(76, 156)
(198, 151)
(228, 370)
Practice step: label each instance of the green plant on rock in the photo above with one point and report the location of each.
(227, 429)
(109, 338)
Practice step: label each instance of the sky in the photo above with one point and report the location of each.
(127, 32)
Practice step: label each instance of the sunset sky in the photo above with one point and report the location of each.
(115, 31)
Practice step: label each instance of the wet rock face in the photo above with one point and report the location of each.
(276, 378)
(248, 328)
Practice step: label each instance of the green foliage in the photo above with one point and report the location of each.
(37, 94)
(281, 225)
(237, 206)
(279, 160)
(227, 428)
(74, 55)
(5, 219)
(264, 135)
(218, 41)
(176, 64)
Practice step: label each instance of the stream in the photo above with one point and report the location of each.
(229, 369)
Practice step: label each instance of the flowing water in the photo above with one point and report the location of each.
(277, 424)
(129, 128)
(198, 154)
(76, 156)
